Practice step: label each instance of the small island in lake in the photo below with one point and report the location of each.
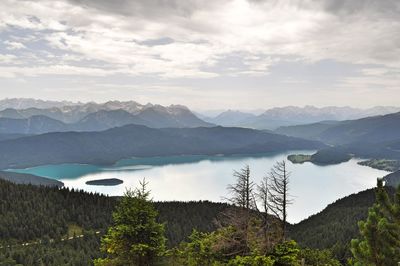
(105, 182)
(299, 158)
(322, 157)
(382, 164)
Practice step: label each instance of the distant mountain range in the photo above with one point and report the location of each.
(106, 147)
(370, 129)
(95, 117)
(231, 118)
(376, 137)
(69, 112)
(307, 131)
(291, 115)
(37, 124)
(24, 103)
(86, 114)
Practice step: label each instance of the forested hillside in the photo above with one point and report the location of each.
(30, 213)
(107, 147)
(376, 137)
(336, 225)
(372, 129)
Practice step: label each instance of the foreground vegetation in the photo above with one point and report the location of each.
(29, 213)
(74, 252)
(379, 243)
(32, 214)
(335, 226)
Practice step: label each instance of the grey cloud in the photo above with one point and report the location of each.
(161, 9)
(342, 7)
(155, 42)
(347, 7)
(147, 8)
(183, 41)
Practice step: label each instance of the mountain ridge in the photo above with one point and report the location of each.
(109, 146)
(376, 137)
(69, 112)
(293, 115)
(42, 121)
(381, 128)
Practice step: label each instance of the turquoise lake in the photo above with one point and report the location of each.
(186, 178)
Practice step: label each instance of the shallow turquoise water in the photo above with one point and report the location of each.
(206, 177)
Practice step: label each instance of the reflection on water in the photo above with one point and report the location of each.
(206, 178)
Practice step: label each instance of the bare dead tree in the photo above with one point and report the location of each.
(241, 195)
(242, 192)
(270, 228)
(278, 198)
(262, 197)
(262, 194)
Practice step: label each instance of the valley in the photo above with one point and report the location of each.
(206, 178)
(103, 149)
(199, 133)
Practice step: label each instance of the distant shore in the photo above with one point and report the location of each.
(382, 164)
(19, 178)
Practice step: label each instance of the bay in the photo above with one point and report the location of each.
(185, 178)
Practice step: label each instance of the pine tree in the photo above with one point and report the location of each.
(380, 233)
(135, 238)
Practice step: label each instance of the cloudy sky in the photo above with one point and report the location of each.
(240, 54)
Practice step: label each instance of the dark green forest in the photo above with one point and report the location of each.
(336, 225)
(30, 214)
(33, 214)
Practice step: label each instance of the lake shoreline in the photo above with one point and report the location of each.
(206, 178)
(20, 178)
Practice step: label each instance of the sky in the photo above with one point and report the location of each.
(232, 54)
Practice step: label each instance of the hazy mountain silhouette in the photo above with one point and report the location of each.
(292, 115)
(108, 146)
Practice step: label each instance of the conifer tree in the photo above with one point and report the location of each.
(135, 238)
(380, 233)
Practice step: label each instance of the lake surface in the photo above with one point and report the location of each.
(206, 177)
